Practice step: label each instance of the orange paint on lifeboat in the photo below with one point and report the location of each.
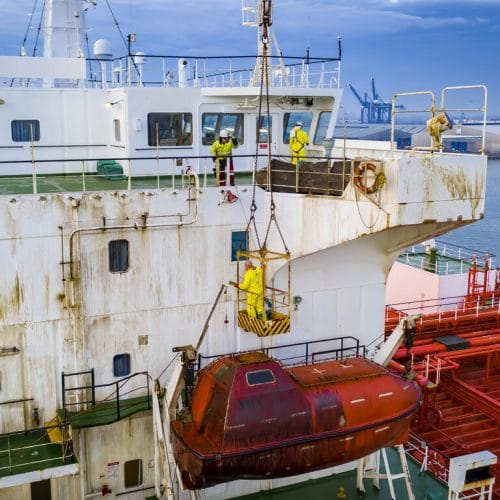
(252, 418)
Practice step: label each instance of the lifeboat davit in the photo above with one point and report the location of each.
(252, 418)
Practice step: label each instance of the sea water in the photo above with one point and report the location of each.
(484, 235)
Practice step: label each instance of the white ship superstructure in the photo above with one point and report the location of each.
(101, 280)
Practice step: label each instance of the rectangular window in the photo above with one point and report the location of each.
(121, 365)
(133, 473)
(323, 121)
(25, 130)
(239, 241)
(290, 119)
(264, 130)
(118, 256)
(170, 129)
(260, 377)
(117, 131)
(214, 123)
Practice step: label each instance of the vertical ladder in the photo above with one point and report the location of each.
(369, 468)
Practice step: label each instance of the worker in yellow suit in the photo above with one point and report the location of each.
(253, 284)
(221, 152)
(298, 142)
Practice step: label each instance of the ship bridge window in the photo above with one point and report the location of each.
(264, 129)
(118, 255)
(214, 123)
(290, 119)
(25, 130)
(170, 129)
(323, 121)
(133, 473)
(239, 243)
(260, 377)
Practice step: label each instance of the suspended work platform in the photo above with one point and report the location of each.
(275, 301)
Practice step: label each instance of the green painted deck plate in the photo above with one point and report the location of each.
(29, 451)
(10, 185)
(425, 486)
(108, 412)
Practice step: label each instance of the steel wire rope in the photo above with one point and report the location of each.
(117, 24)
(29, 23)
(39, 29)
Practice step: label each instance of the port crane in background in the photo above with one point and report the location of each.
(373, 109)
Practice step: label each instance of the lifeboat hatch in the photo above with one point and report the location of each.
(274, 302)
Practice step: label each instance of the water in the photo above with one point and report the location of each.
(483, 235)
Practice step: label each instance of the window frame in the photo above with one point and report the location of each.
(140, 473)
(291, 117)
(21, 127)
(320, 127)
(183, 129)
(260, 127)
(265, 370)
(234, 249)
(220, 124)
(113, 258)
(117, 358)
(117, 130)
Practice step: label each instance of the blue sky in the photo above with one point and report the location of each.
(406, 45)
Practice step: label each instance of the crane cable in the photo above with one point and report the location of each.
(264, 80)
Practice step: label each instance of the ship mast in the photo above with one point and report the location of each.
(252, 12)
(64, 28)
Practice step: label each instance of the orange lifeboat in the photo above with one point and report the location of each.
(250, 417)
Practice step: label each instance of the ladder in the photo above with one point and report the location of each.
(369, 468)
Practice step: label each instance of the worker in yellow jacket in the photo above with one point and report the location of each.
(221, 152)
(298, 142)
(253, 284)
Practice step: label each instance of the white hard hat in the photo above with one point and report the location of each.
(224, 133)
(298, 124)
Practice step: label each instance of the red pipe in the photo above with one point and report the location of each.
(437, 347)
(420, 379)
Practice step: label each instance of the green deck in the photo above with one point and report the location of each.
(437, 264)
(424, 486)
(29, 451)
(75, 183)
(108, 412)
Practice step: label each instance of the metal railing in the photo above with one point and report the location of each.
(432, 110)
(171, 172)
(444, 258)
(311, 352)
(147, 70)
(92, 395)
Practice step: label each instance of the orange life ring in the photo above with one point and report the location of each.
(365, 177)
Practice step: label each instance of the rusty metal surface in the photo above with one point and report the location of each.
(322, 177)
(278, 427)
